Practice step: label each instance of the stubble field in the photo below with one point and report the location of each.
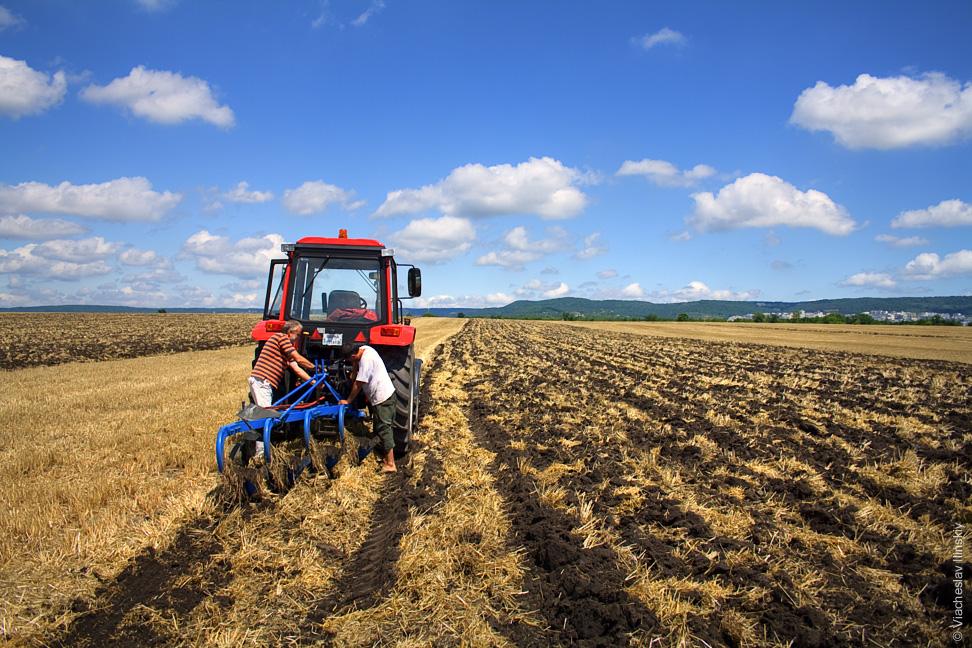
(569, 486)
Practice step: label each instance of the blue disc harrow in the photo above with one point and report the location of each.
(307, 410)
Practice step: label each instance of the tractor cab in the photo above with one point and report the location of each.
(342, 290)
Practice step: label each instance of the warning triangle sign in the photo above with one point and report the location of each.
(360, 337)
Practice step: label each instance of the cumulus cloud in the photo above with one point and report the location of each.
(64, 260)
(541, 186)
(559, 290)
(247, 257)
(376, 7)
(929, 265)
(434, 240)
(610, 273)
(897, 241)
(315, 196)
(162, 97)
(760, 200)
(241, 193)
(948, 213)
(592, 247)
(696, 290)
(37, 229)
(665, 174)
(26, 91)
(870, 280)
(9, 19)
(664, 36)
(889, 112)
(124, 199)
(136, 257)
(520, 249)
(633, 291)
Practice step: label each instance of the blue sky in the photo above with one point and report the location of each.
(664, 152)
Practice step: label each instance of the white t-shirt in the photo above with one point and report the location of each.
(371, 371)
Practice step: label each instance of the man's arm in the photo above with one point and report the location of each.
(355, 389)
(301, 360)
(297, 370)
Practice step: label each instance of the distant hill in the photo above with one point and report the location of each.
(621, 308)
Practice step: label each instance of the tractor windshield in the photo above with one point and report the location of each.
(333, 289)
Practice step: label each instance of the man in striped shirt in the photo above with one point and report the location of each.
(276, 356)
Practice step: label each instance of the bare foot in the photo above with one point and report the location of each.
(385, 468)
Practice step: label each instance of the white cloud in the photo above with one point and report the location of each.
(664, 36)
(315, 196)
(136, 257)
(633, 290)
(870, 280)
(948, 213)
(241, 194)
(665, 174)
(890, 112)
(592, 247)
(520, 250)
(248, 257)
(162, 97)
(696, 290)
(558, 291)
(541, 186)
(462, 301)
(59, 259)
(760, 200)
(124, 199)
(376, 7)
(155, 5)
(897, 241)
(929, 265)
(76, 251)
(433, 240)
(607, 274)
(25, 91)
(9, 19)
(37, 229)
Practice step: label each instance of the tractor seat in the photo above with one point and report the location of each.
(343, 299)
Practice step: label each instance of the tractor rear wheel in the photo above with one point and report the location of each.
(402, 371)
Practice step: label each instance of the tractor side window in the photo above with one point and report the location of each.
(271, 308)
(332, 289)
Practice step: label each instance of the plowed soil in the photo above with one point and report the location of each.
(590, 488)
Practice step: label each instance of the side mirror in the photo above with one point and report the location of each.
(414, 282)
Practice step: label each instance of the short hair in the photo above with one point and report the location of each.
(292, 325)
(348, 349)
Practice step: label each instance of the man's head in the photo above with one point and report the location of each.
(351, 351)
(293, 329)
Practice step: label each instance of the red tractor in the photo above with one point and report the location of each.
(343, 290)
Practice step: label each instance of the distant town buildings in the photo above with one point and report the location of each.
(879, 315)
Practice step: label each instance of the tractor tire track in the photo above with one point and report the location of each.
(370, 572)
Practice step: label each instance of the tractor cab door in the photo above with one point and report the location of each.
(275, 285)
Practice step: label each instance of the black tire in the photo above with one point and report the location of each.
(400, 363)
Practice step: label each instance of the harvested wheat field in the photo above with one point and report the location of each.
(952, 343)
(34, 339)
(568, 486)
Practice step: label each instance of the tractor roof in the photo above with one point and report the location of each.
(356, 242)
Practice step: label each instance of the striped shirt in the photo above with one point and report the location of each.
(277, 353)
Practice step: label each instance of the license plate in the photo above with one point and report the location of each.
(332, 339)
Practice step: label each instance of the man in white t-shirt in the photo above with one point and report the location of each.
(370, 375)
